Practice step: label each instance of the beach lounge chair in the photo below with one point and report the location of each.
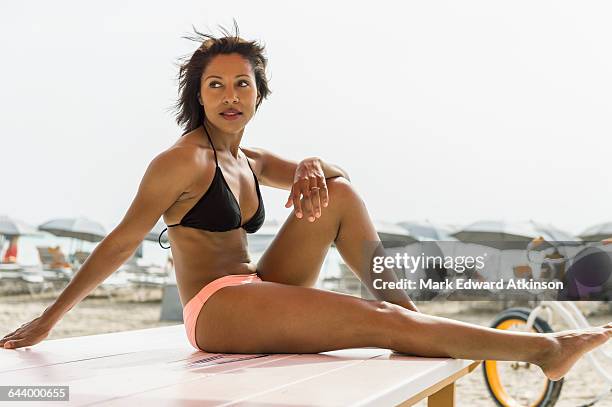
(55, 268)
(79, 258)
(10, 272)
(15, 278)
(117, 281)
(52, 257)
(522, 271)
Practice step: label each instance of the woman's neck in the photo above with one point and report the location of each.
(224, 140)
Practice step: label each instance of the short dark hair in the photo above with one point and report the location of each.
(189, 112)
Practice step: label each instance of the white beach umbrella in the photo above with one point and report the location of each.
(598, 232)
(426, 230)
(502, 234)
(77, 228)
(15, 227)
(391, 232)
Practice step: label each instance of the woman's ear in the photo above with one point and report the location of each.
(200, 99)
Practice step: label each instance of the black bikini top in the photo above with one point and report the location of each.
(218, 210)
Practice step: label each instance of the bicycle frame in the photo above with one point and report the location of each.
(574, 319)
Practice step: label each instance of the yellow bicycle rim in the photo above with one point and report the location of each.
(493, 374)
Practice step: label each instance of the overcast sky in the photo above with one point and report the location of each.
(450, 111)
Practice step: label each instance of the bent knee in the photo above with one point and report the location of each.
(340, 187)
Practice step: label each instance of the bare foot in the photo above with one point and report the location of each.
(569, 346)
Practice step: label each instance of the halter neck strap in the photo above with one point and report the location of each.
(211, 144)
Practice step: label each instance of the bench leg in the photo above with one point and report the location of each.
(445, 397)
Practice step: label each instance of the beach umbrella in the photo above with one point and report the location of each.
(77, 228)
(501, 234)
(557, 235)
(597, 232)
(11, 229)
(427, 230)
(80, 228)
(392, 234)
(14, 227)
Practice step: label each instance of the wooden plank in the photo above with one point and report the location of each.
(441, 384)
(443, 398)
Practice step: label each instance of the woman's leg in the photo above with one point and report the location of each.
(276, 318)
(298, 250)
(297, 253)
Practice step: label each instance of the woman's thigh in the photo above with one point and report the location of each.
(296, 254)
(269, 317)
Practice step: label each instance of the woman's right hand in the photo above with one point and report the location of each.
(27, 334)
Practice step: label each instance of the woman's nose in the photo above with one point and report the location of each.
(230, 97)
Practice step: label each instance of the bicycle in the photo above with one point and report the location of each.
(522, 384)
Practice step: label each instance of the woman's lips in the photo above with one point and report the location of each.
(232, 116)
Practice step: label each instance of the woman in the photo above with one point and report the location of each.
(206, 186)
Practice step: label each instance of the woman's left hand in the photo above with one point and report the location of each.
(309, 182)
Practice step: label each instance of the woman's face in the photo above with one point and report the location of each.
(228, 92)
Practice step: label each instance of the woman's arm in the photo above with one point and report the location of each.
(278, 172)
(166, 178)
(164, 181)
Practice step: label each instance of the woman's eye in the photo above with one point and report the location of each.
(242, 84)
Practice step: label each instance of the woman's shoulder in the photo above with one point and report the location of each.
(254, 156)
(187, 152)
(184, 166)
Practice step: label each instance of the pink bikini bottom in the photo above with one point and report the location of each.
(193, 307)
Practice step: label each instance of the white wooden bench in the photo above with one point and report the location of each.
(158, 367)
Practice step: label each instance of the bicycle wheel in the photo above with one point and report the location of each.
(513, 384)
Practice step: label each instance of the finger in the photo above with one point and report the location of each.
(15, 343)
(323, 192)
(312, 198)
(289, 202)
(315, 198)
(307, 205)
(7, 337)
(316, 202)
(6, 342)
(318, 199)
(9, 334)
(308, 213)
(297, 204)
(301, 189)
